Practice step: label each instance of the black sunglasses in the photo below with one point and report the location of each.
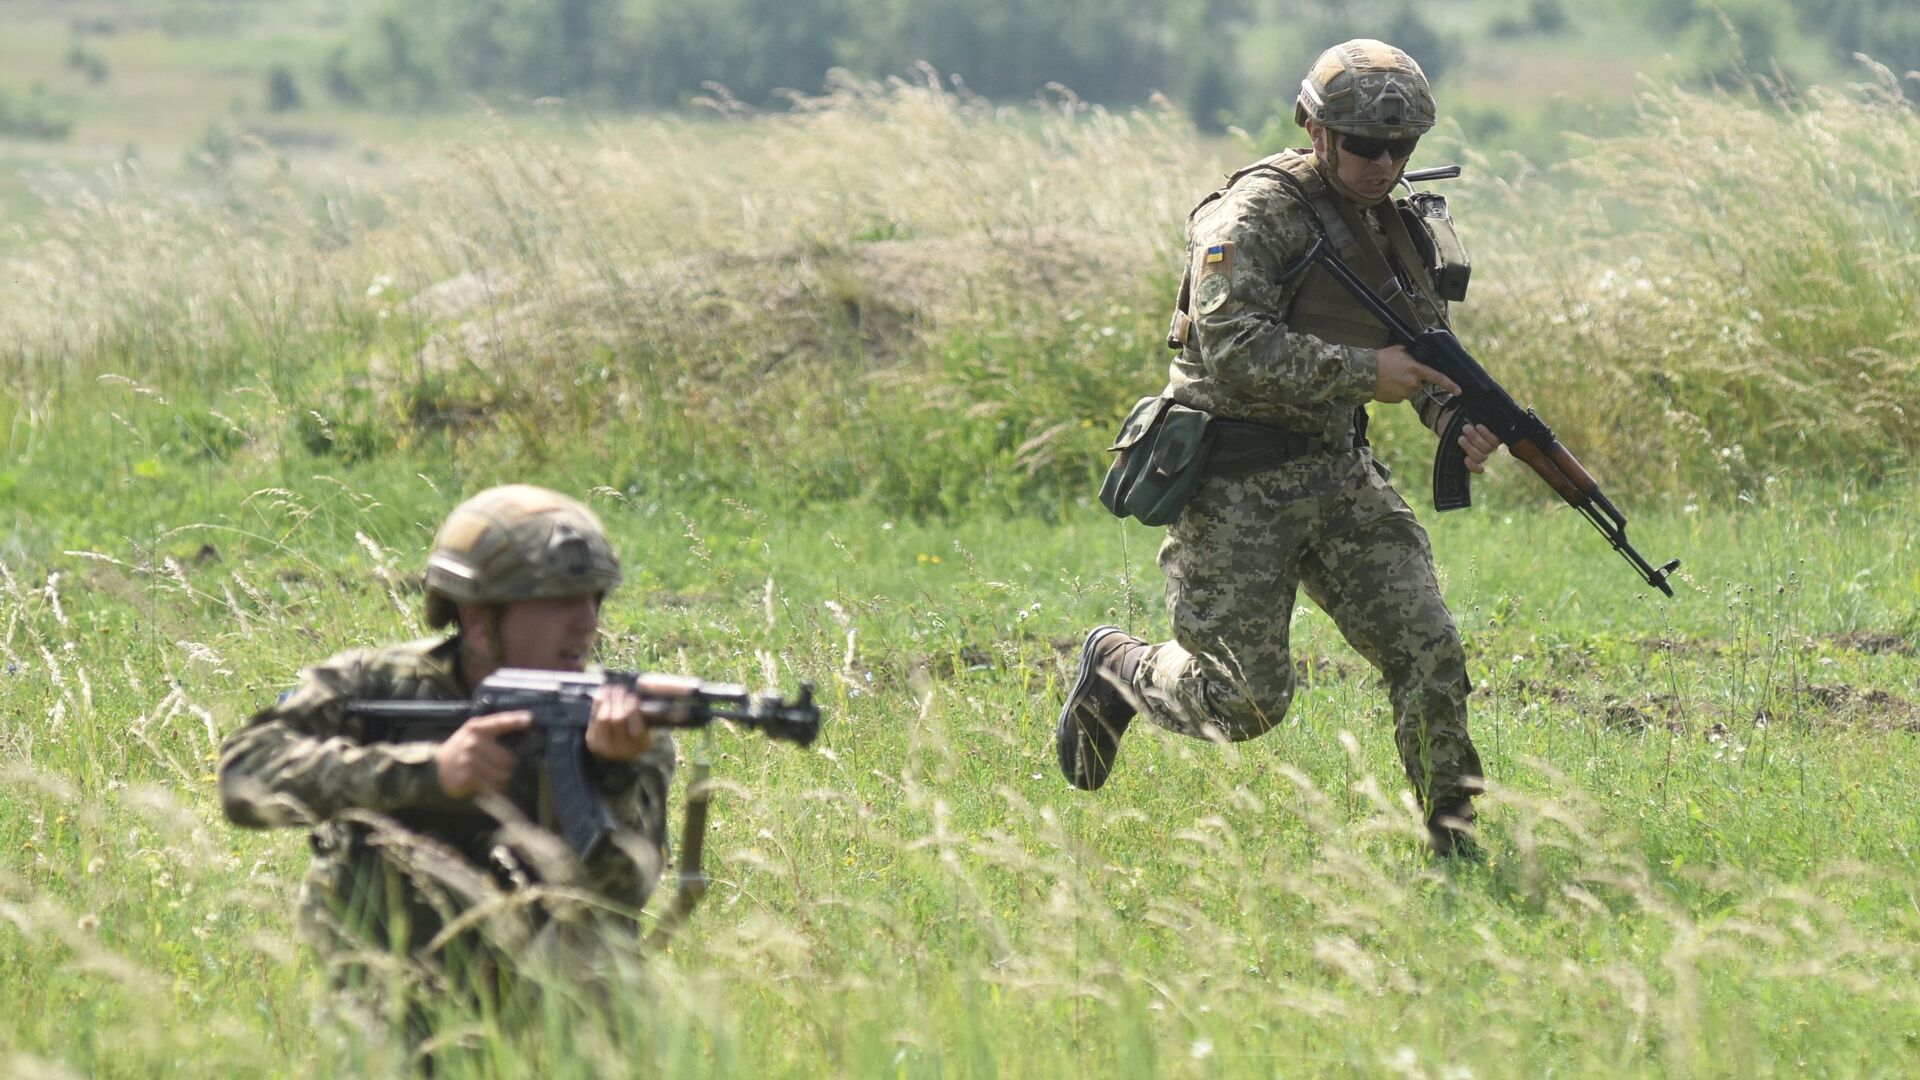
(1363, 147)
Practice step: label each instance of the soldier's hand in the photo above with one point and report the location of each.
(1479, 442)
(1399, 376)
(472, 760)
(618, 730)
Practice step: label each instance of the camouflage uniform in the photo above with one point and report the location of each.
(304, 760)
(395, 860)
(1326, 520)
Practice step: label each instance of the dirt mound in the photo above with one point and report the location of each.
(755, 312)
(1840, 705)
(1873, 642)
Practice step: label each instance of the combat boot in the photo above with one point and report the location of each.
(1450, 831)
(1099, 707)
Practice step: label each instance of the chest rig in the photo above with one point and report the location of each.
(1419, 247)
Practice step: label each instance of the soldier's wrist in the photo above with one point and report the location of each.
(1362, 375)
(419, 783)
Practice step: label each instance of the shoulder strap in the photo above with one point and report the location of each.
(1412, 261)
(1346, 229)
(1270, 163)
(1341, 222)
(1332, 212)
(1182, 324)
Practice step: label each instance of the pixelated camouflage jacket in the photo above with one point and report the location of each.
(305, 761)
(1242, 359)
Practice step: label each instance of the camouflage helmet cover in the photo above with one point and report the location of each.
(1367, 88)
(517, 542)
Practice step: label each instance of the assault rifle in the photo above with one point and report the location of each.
(1484, 401)
(562, 704)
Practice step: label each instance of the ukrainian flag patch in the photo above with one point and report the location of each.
(1213, 280)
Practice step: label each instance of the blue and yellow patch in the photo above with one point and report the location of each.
(1214, 279)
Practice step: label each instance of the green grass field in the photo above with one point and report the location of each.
(1700, 859)
(845, 428)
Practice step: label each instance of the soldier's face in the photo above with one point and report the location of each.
(1371, 178)
(553, 633)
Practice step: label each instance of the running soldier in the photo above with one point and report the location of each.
(1289, 495)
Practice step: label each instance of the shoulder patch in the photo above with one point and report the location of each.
(1216, 278)
(1211, 293)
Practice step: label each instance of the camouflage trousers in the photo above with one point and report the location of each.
(1233, 563)
(411, 933)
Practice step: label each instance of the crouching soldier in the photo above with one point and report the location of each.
(426, 863)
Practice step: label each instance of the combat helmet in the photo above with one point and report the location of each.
(1367, 88)
(517, 542)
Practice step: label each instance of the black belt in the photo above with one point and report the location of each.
(1243, 447)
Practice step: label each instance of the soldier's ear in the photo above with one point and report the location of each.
(479, 629)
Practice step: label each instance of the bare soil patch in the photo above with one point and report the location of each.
(1873, 642)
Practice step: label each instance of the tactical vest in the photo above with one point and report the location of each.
(1321, 307)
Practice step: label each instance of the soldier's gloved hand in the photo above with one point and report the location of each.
(472, 760)
(1399, 376)
(618, 730)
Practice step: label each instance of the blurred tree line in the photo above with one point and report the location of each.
(32, 116)
(1224, 61)
(1727, 41)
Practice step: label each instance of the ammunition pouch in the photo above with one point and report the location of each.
(1166, 449)
(1431, 225)
(1163, 456)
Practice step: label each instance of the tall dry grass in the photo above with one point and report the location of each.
(1722, 296)
(1726, 294)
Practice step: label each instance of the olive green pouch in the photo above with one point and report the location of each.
(1163, 455)
(1431, 225)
